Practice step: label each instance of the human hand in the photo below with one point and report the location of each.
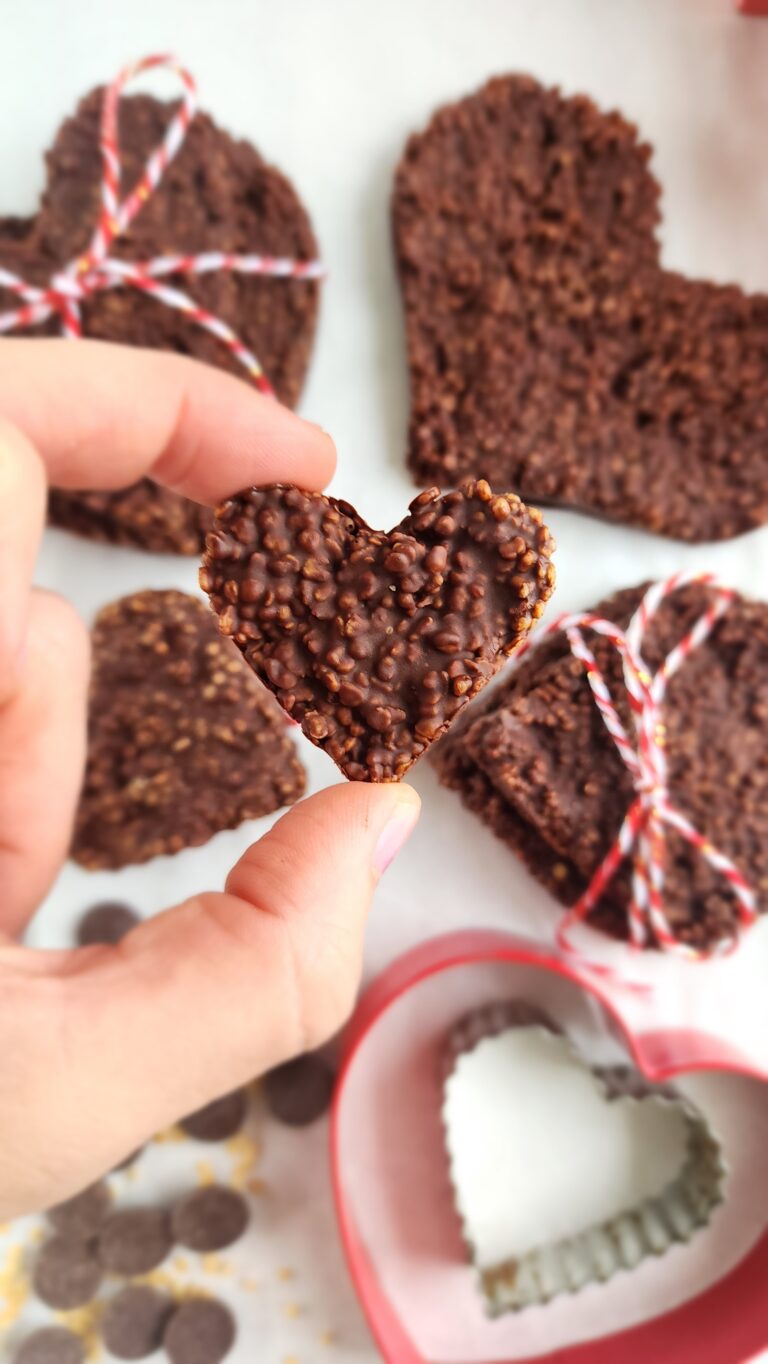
(100, 1047)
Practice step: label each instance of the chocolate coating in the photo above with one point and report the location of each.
(549, 352)
(376, 641)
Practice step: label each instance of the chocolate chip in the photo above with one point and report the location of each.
(183, 741)
(66, 1273)
(209, 1218)
(299, 1091)
(370, 639)
(82, 1215)
(218, 1120)
(107, 922)
(50, 1345)
(201, 1331)
(135, 1240)
(135, 1320)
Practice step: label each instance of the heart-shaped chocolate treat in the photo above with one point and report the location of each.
(549, 1207)
(217, 194)
(537, 764)
(549, 351)
(374, 641)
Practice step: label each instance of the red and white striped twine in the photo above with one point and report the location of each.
(96, 271)
(642, 835)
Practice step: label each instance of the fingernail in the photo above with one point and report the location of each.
(394, 835)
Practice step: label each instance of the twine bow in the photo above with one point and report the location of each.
(96, 271)
(643, 831)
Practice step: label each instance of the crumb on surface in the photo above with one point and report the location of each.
(85, 1322)
(14, 1286)
(245, 1154)
(213, 1263)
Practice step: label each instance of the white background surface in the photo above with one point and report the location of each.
(329, 92)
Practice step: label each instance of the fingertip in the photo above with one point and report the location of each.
(282, 447)
(200, 431)
(408, 796)
(398, 828)
(221, 435)
(325, 452)
(61, 634)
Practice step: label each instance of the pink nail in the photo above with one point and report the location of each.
(393, 837)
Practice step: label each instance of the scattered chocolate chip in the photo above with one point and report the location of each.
(135, 1320)
(107, 922)
(201, 1331)
(135, 1240)
(219, 194)
(376, 641)
(549, 351)
(538, 766)
(183, 741)
(82, 1215)
(299, 1091)
(66, 1273)
(209, 1218)
(51, 1345)
(218, 1120)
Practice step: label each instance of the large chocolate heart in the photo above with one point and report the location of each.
(182, 740)
(538, 766)
(548, 350)
(218, 194)
(376, 641)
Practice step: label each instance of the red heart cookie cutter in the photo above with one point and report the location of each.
(394, 1202)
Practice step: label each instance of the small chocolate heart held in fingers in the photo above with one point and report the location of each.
(375, 641)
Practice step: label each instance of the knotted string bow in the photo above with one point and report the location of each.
(96, 270)
(651, 814)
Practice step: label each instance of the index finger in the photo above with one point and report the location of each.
(103, 416)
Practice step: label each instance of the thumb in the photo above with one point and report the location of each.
(197, 1000)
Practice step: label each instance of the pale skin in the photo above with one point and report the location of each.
(101, 1047)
